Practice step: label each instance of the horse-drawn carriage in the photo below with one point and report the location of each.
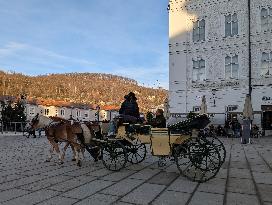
(197, 157)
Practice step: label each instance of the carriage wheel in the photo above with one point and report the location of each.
(220, 146)
(136, 152)
(114, 155)
(198, 160)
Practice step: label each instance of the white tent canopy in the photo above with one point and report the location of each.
(203, 108)
(248, 110)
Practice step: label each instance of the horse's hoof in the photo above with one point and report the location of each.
(73, 160)
(60, 162)
(79, 163)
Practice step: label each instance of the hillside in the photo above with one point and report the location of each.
(89, 88)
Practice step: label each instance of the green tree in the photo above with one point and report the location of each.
(13, 112)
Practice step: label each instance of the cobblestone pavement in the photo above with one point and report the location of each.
(25, 179)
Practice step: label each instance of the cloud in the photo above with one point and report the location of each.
(11, 48)
(28, 53)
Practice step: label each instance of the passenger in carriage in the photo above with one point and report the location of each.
(159, 121)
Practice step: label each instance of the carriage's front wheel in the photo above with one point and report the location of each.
(136, 152)
(198, 160)
(114, 155)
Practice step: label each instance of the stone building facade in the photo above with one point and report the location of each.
(209, 55)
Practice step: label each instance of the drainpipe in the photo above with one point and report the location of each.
(249, 50)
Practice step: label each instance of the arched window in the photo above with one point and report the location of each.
(199, 70)
(266, 64)
(266, 19)
(231, 25)
(199, 30)
(231, 67)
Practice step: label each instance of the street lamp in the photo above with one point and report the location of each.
(98, 109)
(71, 115)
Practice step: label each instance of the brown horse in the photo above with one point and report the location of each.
(67, 144)
(59, 132)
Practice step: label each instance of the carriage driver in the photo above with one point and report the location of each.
(129, 112)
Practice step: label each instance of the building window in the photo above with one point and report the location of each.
(199, 30)
(31, 111)
(46, 111)
(266, 19)
(86, 115)
(231, 25)
(196, 108)
(231, 67)
(231, 108)
(78, 113)
(199, 70)
(266, 64)
(62, 112)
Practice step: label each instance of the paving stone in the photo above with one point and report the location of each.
(262, 178)
(172, 168)
(245, 186)
(100, 172)
(117, 176)
(182, 185)
(145, 174)
(82, 171)
(22, 181)
(222, 174)
(163, 178)
(123, 187)
(260, 168)
(143, 194)
(87, 189)
(137, 167)
(241, 199)
(172, 198)
(32, 198)
(265, 191)
(98, 199)
(12, 193)
(239, 164)
(69, 184)
(239, 173)
(208, 198)
(121, 203)
(215, 185)
(45, 183)
(58, 200)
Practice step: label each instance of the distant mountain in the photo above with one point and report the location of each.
(90, 88)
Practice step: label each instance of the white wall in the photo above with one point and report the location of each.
(185, 94)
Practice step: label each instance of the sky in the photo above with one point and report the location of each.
(121, 37)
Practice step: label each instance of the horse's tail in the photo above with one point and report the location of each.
(86, 133)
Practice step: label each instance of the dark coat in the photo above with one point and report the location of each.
(159, 122)
(130, 107)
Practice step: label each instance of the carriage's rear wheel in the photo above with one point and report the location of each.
(220, 146)
(136, 152)
(114, 155)
(198, 160)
